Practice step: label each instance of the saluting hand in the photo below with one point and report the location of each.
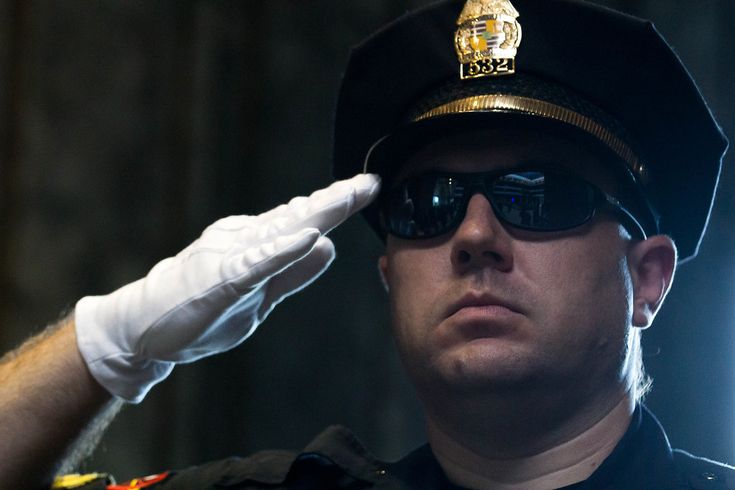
(214, 293)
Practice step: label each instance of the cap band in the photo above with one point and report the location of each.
(539, 108)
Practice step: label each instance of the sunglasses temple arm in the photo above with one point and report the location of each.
(627, 216)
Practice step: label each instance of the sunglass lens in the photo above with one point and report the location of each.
(542, 201)
(424, 207)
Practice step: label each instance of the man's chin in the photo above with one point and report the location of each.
(482, 369)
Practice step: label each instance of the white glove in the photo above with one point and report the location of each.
(213, 294)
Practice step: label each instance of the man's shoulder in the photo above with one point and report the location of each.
(334, 459)
(702, 473)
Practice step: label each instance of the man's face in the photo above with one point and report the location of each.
(542, 310)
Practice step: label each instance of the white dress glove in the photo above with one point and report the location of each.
(213, 294)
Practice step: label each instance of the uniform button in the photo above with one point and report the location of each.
(709, 476)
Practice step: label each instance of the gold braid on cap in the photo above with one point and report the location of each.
(538, 108)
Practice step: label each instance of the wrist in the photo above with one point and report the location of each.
(121, 372)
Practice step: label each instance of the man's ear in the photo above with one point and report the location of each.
(652, 264)
(383, 269)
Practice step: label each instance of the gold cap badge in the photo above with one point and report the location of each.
(487, 38)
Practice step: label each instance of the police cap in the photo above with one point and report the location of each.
(600, 73)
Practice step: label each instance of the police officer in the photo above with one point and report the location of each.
(531, 205)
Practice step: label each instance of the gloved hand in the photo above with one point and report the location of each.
(213, 294)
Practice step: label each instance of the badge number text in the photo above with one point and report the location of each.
(487, 67)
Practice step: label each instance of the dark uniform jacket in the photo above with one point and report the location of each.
(337, 460)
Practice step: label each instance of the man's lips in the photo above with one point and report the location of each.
(478, 304)
(479, 315)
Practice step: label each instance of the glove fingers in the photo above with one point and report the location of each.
(298, 276)
(245, 269)
(236, 324)
(325, 208)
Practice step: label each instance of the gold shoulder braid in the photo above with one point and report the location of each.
(77, 480)
(103, 481)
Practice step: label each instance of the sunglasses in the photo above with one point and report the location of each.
(540, 200)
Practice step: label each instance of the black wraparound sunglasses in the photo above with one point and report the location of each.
(432, 204)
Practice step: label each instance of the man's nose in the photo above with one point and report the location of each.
(481, 240)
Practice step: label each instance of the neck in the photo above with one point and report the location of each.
(567, 461)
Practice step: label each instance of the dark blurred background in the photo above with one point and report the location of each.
(128, 126)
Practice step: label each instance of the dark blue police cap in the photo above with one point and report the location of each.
(602, 74)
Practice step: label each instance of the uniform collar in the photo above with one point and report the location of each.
(641, 460)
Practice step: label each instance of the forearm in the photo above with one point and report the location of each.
(51, 408)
